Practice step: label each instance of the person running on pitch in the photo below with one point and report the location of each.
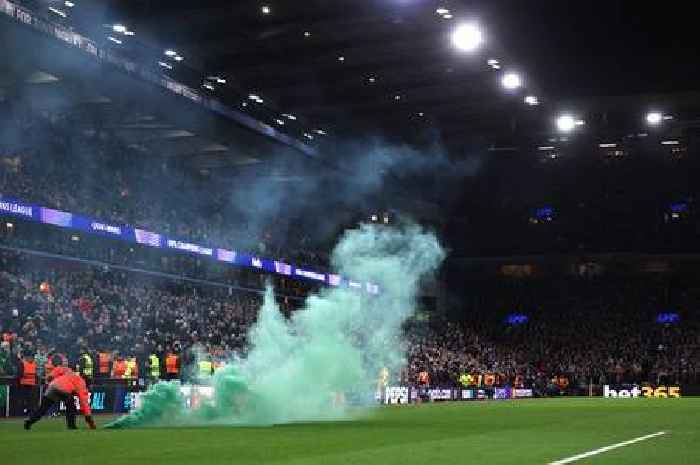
(62, 389)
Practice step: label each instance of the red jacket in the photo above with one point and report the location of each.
(57, 372)
(70, 383)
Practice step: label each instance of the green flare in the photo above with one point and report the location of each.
(301, 369)
(162, 403)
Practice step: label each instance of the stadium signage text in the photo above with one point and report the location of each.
(106, 228)
(16, 208)
(660, 392)
(187, 247)
(310, 274)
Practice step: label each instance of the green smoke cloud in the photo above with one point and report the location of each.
(298, 369)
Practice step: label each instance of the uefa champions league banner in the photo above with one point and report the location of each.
(127, 233)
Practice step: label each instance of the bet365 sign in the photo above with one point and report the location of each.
(659, 392)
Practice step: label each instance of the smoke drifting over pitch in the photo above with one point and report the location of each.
(336, 344)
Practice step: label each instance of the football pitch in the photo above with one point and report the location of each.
(559, 431)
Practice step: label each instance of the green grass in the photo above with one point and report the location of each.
(493, 433)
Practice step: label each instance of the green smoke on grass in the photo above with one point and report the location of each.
(296, 369)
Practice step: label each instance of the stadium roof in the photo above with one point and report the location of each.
(390, 65)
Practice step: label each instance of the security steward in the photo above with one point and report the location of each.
(63, 389)
(153, 368)
(28, 382)
(86, 367)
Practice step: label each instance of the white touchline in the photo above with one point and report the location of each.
(606, 449)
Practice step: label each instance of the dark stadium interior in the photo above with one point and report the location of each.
(243, 139)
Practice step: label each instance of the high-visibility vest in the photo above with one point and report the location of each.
(205, 367)
(28, 374)
(154, 363)
(489, 379)
(465, 379)
(171, 364)
(103, 359)
(132, 370)
(87, 365)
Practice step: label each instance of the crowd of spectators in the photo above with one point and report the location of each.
(55, 160)
(591, 331)
(66, 309)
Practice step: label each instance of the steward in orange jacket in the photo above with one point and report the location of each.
(63, 389)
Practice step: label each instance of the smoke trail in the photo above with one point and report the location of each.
(336, 344)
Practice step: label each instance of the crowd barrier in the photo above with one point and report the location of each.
(121, 396)
(107, 396)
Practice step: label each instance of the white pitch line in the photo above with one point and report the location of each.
(606, 449)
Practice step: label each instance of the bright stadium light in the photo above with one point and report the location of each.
(531, 100)
(511, 81)
(115, 40)
(447, 16)
(170, 53)
(442, 11)
(654, 118)
(566, 123)
(69, 4)
(266, 10)
(119, 28)
(467, 37)
(178, 58)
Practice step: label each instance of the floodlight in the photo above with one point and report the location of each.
(566, 123)
(511, 81)
(467, 37)
(654, 118)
